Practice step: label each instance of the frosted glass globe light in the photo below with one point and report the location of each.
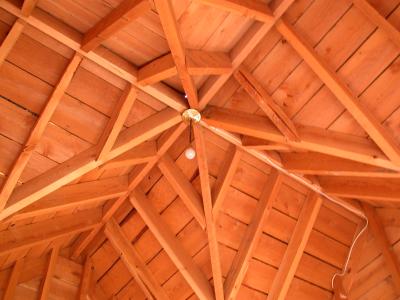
(190, 153)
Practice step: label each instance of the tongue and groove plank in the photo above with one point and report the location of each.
(371, 13)
(77, 166)
(121, 16)
(37, 131)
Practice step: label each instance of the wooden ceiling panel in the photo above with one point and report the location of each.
(303, 242)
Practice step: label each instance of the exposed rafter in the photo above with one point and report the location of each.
(151, 288)
(250, 8)
(183, 187)
(240, 52)
(74, 195)
(378, 231)
(272, 110)
(185, 264)
(198, 63)
(252, 236)
(28, 6)
(10, 40)
(111, 62)
(371, 189)
(48, 278)
(122, 15)
(84, 162)
(174, 39)
(49, 230)
(141, 154)
(117, 120)
(208, 211)
(13, 280)
(371, 13)
(313, 139)
(357, 109)
(87, 279)
(294, 252)
(312, 163)
(343, 284)
(135, 177)
(37, 131)
(225, 177)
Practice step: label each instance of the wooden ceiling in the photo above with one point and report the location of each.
(297, 148)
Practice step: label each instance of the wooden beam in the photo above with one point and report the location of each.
(84, 162)
(294, 252)
(184, 262)
(106, 59)
(48, 278)
(258, 144)
(257, 10)
(37, 131)
(133, 261)
(253, 233)
(28, 6)
(141, 154)
(225, 176)
(272, 110)
(378, 231)
(135, 177)
(371, 189)
(49, 230)
(86, 279)
(312, 163)
(198, 63)
(74, 195)
(13, 281)
(174, 39)
(122, 15)
(343, 284)
(208, 211)
(360, 113)
(312, 139)
(117, 120)
(183, 188)
(11, 38)
(240, 52)
(380, 21)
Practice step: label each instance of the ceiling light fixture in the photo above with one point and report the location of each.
(190, 116)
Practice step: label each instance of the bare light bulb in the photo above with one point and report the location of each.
(190, 153)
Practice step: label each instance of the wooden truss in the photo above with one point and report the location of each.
(376, 164)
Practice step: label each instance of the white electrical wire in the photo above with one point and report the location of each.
(265, 158)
